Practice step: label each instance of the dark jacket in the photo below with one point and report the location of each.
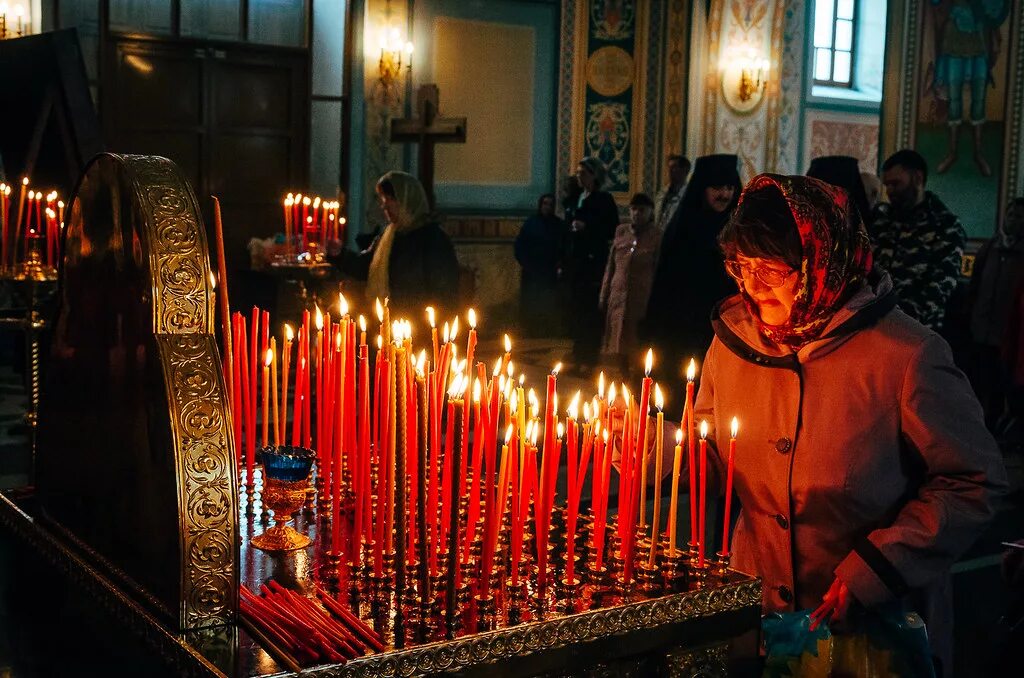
(538, 248)
(922, 252)
(423, 270)
(998, 273)
(590, 246)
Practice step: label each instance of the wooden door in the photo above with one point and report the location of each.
(233, 117)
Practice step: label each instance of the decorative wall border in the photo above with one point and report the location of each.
(204, 456)
(773, 92)
(567, 68)
(675, 81)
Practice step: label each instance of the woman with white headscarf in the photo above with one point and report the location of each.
(412, 261)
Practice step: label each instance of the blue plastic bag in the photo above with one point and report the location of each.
(882, 642)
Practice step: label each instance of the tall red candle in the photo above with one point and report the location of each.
(728, 486)
(702, 519)
(691, 439)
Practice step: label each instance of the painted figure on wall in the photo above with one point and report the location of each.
(964, 51)
(967, 42)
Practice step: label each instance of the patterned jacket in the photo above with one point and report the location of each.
(922, 253)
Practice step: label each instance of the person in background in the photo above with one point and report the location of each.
(870, 470)
(690, 276)
(412, 262)
(872, 189)
(592, 223)
(538, 249)
(998, 274)
(668, 198)
(627, 280)
(917, 240)
(842, 171)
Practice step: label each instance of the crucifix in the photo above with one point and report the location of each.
(427, 129)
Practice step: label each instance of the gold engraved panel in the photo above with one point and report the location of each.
(182, 304)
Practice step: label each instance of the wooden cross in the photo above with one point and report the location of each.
(426, 130)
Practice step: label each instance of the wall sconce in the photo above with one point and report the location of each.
(744, 81)
(12, 21)
(392, 50)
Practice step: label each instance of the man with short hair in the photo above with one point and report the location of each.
(917, 239)
(668, 198)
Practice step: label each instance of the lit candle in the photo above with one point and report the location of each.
(691, 373)
(659, 433)
(323, 455)
(728, 485)
(703, 491)
(673, 513)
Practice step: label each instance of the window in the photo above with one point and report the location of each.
(834, 42)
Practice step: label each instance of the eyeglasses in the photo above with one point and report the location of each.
(772, 277)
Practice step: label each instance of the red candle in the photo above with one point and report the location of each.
(338, 394)
(236, 387)
(250, 447)
(477, 469)
(600, 519)
(572, 496)
(636, 477)
(691, 373)
(464, 452)
(432, 488)
(446, 482)
(286, 354)
(254, 359)
(703, 491)
(306, 382)
(300, 364)
(323, 454)
(728, 486)
(363, 496)
(289, 202)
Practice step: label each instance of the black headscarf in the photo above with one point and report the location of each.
(690, 277)
(842, 171)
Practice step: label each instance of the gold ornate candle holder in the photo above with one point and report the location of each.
(284, 491)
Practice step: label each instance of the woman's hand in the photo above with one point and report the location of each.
(578, 225)
(835, 604)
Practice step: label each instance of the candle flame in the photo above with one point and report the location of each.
(626, 395)
(611, 393)
(31, 195)
(533, 438)
(586, 411)
(306, 200)
(574, 406)
(507, 391)
(319, 320)
(446, 332)
(289, 201)
(421, 363)
(691, 370)
(508, 434)
(213, 281)
(471, 318)
(268, 360)
(342, 304)
(597, 427)
(649, 362)
(289, 197)
(476, 390)
(298, 198)
(679, 436)
(380, 309)
(522, 379)
(513, 402)
(24, 181)
(362, 323)
(703, 429)
(497, 368)
(455, 328)
(735, 426)
(380, 342)
(659, 399)
(560, 430)
(457, 387)
(430, 316)
(508, 344)
(600, 385)
(289, 333)
(604, 436)
(337, 341)
(316, 203)
(556, 369)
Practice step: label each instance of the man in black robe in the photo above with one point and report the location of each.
(690, 277)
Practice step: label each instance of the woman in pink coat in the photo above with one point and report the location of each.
(865, 468)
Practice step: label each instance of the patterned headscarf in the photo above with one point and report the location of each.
(836, 253)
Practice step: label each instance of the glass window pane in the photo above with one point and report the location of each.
(277, 22)
(842, 67)
(141, 16)
(214, 19)
(328, 46)
(823, 23)
(844, 34)
(325, 147)
(822, 64)
(844, 9)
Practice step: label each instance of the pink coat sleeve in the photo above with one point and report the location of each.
(943, 426)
